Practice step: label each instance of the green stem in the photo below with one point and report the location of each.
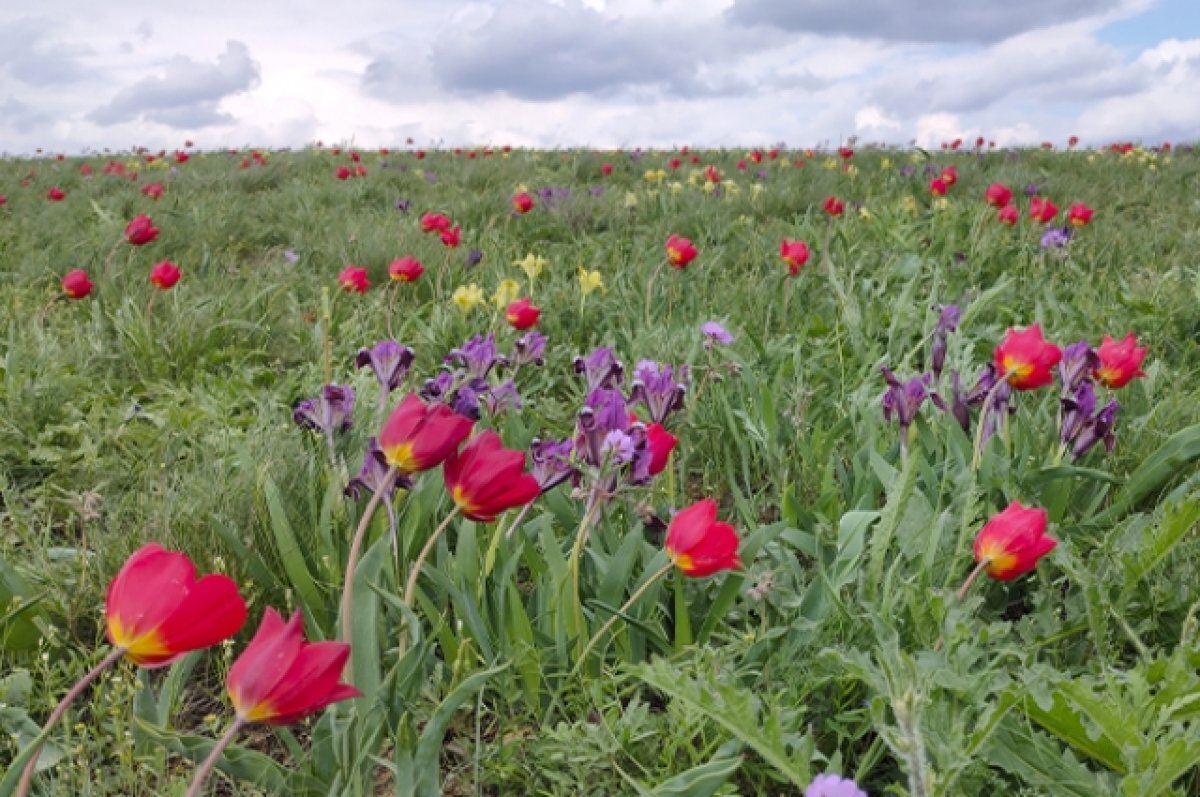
(410, 589)
(573, 566)
(979, 568)
(356, 551)
(213, 757)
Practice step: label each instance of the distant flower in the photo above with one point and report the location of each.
(680, 251)
(56, 194)
(795, 254)
(1079, 214)
(405, 269)
(141, 230)
(949, 175)
(522, 203)
(343, 173)
(715, 333)
(833, 206)
(833, 786)
(165, 275)
(76, 284)
(938, 186)
(699, 544)
(1119, 362)
(998, 195)
(290, 256)
(474, 258)
(845, 153)
(1056, 237)
(532, 265)
(153, 190)
(590, 281)
(1032, 188)
(606, 169)
(521, 314)
(435, 222)
(353, 279)
(948, 318)
(467, 297)
(451, 237)
(506, 293)
(1008, 215)
(403, 205)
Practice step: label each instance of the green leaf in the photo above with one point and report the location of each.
(699, 781)
(290, 553)
(1171, 459)
(239, 763)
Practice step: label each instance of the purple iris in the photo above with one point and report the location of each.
(372, 474)
(390, 362)
(604, 411)
(551, 462)
(1056, 237)
(600, 368)
(1077, 410)
(327, 413)
(530, 348)
(833, 786)
(478, 356)
(502, 397)
(714, 333)
(1078, 362)
(1096, 429)
(902, 400)
(403, 204)
(474, 258)
(655, 386)
(948, 319)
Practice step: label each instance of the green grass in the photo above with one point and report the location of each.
(135, 416)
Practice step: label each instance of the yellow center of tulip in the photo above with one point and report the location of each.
(460, 499)
(147, 647)
(1108, 376)
(1016, 371)
(999, 561)
(259, 712)
(401, 457)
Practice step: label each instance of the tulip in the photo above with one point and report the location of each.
(1042, 210)
(795, 254)
(1008, 215)
(181, 157)
(3, 200)
(164, 275)
(938, 186)
(661, 443)
(353, 279)
(998, 195)
(1010, 544)
(845, 153)
(279, 678)
(141, 230)
(521, 314)
(419, 436)
(522, 203)
(342, 173)
(405, 269)
(1079, 214)
(1072, 141)
(680, 251)
(833, 206)
(700, 545)
(435, 222)
(451, 237)
(485, 479)
(606, 169)
(76, 285)
(1120, 362)
(56, 194)
(153, 190)
(1025, 359)
(949, 175)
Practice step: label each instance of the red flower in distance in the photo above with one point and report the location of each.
(406, 269)
(1079, 214)
(1042, 210)
(998, 195)
(699, 544)
(157, 610)
(164, 275)
(353, 279)
(343, 173)
(795, 254)
(182, 157)
(3, 200)
(845, 153)
(419, 436)
(1025, 359)
(1120, 362)
(606, 169)
(1008, 215)
(949, 175)
(451, 237)
(833, 206)
(280, 678)
(435, 222)
(76, 284)
(521, 314)
(522, 203)
(486, 479)
(141, 230)
(938, 186)
(680, 251)
(153, 190)
(56, 194)
(1012, 542)
(711, 174)
(1072, 141)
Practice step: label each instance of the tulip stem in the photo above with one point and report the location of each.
(410, 589)
(979, 568)
(581, 536)
(650, 288)
(61, 708)
(213, 757)
(356, 551)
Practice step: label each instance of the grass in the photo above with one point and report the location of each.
(137, 415)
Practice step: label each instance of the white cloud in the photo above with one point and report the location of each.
(872, 119)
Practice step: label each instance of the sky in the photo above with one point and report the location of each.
(77, 75)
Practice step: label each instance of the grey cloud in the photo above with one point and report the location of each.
(928, 21)
(20, 117)
(539, 51)
(186, 94)
(29, 56)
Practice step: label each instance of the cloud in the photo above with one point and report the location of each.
(924, 21)
(187, 92)
(1158, 112)
(21, 117)
(28, 55)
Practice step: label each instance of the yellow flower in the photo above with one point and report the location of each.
(520, 189)
(590, 281)
(852, 170)
(709, 186)
(654, 176)
(506, 293)
(467, 297)
(909, 204)
(731, 186)
(630, 199)
(532, 265)
(863, 213)
(676, 187)
(885, 163)
(830, 163)
(941, 203)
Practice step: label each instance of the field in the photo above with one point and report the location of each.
(560, 649)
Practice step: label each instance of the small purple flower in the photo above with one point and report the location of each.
(502, 397)
(403, 204)
(370, 477)
(478, 356)
(1077, 410)
(654, 385)
(1078, 362)
(551, 462)
(932, 170)
(617, 448)
(430, 177)
(1032, 189)
(290, 256)
(474, 258)
(600, 368)
(715, 334)
(468, 397)
(908, 170)
(530, 348)
(761, 175)
(437, 388)
(833, 786)
(1097, 429)
(947, 322)
(328, 413)
(636, 155)
(596, 191)
(902, 400)
(604, 411)
(1056, 237)
(389, 360)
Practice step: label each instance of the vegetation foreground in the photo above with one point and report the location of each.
(648, 473)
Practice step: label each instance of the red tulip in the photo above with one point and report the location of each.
(76, 284)
(451, 237)
(521, 314)
(1042, 210)
(998, 195)
(1120, 363)
(419, 436)
(486, 479)
(845, 153)
(406, 269)
(164, 275)
(522, 202)
(794, 253)
(674, 163)
(435, 222)
(680, 251)
(156, 609)
(606, 169)
(699, 544)
(56, 194)
(3, 200)
(1026, 359)
(742, 166)
(141, 230)
(1079, 214)
(360, 171)
(711, 174)
(181, 157)
(342, 173)
(661, 443)
(1011, 543)
(420, 154)
(1008, 215)
(86, 170)
(279, 678)
(153, 190)
(756, 155)
(353, 279)
(356, 157)
(949, 175)
(833, 206)
(938, 186)
(1072, 141)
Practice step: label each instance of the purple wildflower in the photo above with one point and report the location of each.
(437, 388)
(403, 204)
(290, 256)
(833, 786)
(478, 356)
(467, 398)
(1056, 237)
(604, 411)
(1097, 429)
(390, 361)
(714, 333)
(948, 318)
(617, 448)
(370, 477)
(1078, 362)
(654, 385)
(501, 397)
(474, 258)
(530, 348)
(328, 413)
(551, 462)
(1077, 410)
(600, 368)
(1032, 189)
(430, 177)
(902, 400)
(908, 170)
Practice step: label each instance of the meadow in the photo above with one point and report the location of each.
(863, 409)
